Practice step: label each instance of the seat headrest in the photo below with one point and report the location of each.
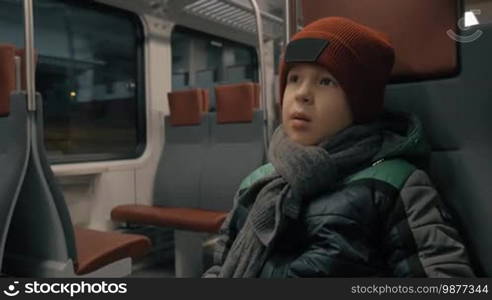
(422, 46)
(236, 102)
(187, 107)
(7, 77)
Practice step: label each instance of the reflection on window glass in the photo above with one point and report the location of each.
(12, 23)
(88, 72)
(201, 60)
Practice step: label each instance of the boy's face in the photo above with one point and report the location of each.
(314, 105)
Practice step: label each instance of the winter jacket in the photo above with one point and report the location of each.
(385, 224)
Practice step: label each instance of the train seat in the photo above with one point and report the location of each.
(96, 249)
(248, 90)
(177, 194)
(44, 243)
(180, 170)
(187, 107)
(236, 144)
(182, 218)
(205, 157)
(74, 251)
(7, 77)
(235, 77)
(13, 143)
(439, 76)
(236, 149)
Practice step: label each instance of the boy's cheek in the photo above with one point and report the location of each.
(284, 111)
(305, 138)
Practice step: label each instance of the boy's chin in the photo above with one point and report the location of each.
(302, 139)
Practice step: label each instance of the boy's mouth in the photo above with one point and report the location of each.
(300, 116)
(300, 120)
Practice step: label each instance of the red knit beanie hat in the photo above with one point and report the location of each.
(360, 58)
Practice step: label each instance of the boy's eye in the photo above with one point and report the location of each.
(293, 78)
(326, 81)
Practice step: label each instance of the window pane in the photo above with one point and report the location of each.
(12, 23)
(89, 74)
(202, 60)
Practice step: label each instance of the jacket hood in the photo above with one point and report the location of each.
(403, 137)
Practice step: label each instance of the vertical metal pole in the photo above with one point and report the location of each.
(287, 21)
(29, 44)
(262, 73)
(290, 19)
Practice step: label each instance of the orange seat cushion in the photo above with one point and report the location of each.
(7, 77)
(235, 102)
(96, 249)
(180, 218)
(186, 107)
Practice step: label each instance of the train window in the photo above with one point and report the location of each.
(202, 60)
(12, 23)
(90, 74)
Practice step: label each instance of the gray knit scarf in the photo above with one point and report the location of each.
(301, 173)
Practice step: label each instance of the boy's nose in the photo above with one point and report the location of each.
(305, 93)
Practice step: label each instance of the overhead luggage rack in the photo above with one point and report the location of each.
(229, 13)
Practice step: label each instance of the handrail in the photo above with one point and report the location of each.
(262, 74)
(29, 44)
(265, 15)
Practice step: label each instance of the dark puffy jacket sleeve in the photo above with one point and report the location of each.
(420, 238)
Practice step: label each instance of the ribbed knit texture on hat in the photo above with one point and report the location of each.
(360, 58)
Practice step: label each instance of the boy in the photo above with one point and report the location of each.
(341, 196)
